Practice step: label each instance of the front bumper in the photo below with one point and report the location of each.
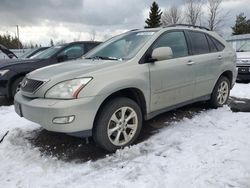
(43, 111)
(243, 73)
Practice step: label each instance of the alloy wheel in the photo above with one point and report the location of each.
(122, 126)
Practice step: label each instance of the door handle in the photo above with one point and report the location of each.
(219, 57)
(190, 62)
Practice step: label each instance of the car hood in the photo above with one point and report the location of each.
(71, 69)
(10, 62)
(243, 55)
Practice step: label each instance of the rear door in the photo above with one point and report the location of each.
(172, 80)
(205, 58)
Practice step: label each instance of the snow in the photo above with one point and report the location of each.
(212, 149)
(241, 91)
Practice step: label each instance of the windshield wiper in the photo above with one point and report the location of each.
(103, 58)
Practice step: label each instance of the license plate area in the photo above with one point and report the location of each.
(244, 70)
(18, 109)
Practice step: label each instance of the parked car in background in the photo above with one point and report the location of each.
(243, 64)
(130, 78)
(13, 71)
(32, 52)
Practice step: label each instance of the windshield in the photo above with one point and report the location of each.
(47, 53)
(28, 53)
(243, 46)
(122, 47)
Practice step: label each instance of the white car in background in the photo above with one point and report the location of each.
(243, 64)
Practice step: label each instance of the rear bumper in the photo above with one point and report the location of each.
(243, 77)
(44, 111)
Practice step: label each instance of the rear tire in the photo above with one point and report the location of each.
(118, 124)
(220, 93)
(15, 86)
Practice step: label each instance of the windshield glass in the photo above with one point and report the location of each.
(243, 46)
(26, 54)
(47, 53)
(122, 47)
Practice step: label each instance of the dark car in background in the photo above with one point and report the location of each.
(12, 72)
(7, 52)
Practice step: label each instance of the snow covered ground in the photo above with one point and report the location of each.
(212, 149)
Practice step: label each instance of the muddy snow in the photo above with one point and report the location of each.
(211, 149)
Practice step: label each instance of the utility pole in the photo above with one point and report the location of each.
(17, 30)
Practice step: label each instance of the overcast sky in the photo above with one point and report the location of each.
(68, 20)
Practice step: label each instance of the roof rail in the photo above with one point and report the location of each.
(133, 29)
(189, 25)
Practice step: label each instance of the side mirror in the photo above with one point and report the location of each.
(61, 58)
(162, 53)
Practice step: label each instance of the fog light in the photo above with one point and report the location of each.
(63, 120)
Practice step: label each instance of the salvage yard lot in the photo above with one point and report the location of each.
(190, 147)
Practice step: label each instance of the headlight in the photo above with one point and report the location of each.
(68, 89)
(3, 72)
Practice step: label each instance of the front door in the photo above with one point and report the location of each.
(172, 80)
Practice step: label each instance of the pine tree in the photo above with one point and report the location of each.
(242, 25)
(51, 42)
(154, 19)
(10, 42)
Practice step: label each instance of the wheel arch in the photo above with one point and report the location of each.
(228, 74)
(132, 93)
(12, 80)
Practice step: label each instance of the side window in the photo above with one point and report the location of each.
(218, 45)
(199, 43)
(176, 41)
(73, 52)
(211, 44)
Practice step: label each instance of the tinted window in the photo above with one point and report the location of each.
(73, 51)
(218, 45)
(90, 46)
(199, 43)
(176, 41)
(211, 45)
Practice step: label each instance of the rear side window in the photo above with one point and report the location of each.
(218, 44)
(176, 41)
(199, 43)
(211, 45)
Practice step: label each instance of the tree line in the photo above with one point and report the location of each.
(192, 13)
(10, 42)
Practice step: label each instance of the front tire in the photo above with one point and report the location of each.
(118, 124)
(220, 93)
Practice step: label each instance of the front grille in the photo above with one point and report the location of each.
(30, 86)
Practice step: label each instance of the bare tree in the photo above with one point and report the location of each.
(193, 11)
(215, 16)
(172, 15)
(92, 35)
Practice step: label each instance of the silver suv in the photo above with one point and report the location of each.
(130, 78)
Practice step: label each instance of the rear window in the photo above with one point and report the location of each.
(199, 43)
(218, 44)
